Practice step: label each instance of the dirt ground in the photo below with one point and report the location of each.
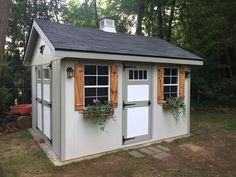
(211, 151)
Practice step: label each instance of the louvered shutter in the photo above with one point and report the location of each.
(160, 82)
(181, 81)
(114, 85)
(79, 87)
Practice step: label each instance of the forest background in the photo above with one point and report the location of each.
(205, 28)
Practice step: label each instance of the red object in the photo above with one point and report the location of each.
(22, 109)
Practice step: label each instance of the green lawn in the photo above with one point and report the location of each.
(225, 120)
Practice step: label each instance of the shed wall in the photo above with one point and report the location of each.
(81, 138)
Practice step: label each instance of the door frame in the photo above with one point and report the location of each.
(43, 102)
(126, 67)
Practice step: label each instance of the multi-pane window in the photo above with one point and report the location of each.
(170, 82)
(138, 74)
(38, 73)
(46, 74)
(96, 81)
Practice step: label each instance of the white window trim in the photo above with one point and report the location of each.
(171, 77)
(97, 86)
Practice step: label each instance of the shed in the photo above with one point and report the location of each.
(71, 66)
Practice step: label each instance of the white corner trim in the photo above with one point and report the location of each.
(101, 56)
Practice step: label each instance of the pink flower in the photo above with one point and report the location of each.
(94, 101)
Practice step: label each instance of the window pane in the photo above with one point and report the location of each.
(131, 74)
(166, 80)
(46, 73)
(135, 74)
(166, 96)
(141, 74)
(90, 80)
(174, 94)
(102, 91)
(166, 89)
(102, 80)
(175, 72)
(90, 91)
(89, 101)
(145, 74)
(90, 70)
(173, 88)
(38, 74)
(102, 70)
(174, 80)
(166, 71)
(103, 99)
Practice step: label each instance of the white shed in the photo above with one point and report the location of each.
(71, 66)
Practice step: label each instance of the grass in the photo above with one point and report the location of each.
(20, 156)
(225, 120)
(18, 152)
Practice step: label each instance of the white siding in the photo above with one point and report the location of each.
(41, 59)
(81, 138)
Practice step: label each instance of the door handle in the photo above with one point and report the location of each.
(124, 104)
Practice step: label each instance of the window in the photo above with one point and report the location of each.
(138, 74)
(46, 73)
(38, 73)
(96, 80)
(170, 82)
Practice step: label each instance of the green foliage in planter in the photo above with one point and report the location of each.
(176, 107)
(99, 113)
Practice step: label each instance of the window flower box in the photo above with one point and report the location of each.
(175, 106)
(99, 113)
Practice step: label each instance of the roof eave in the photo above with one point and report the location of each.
(124, 57)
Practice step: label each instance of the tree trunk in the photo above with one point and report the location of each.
(228, 60)
(140, 10)
(5, 10)
(172, 11)
(95, 12)
(159, 18)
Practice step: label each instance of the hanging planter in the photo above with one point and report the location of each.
(99, 113)
(175, 106)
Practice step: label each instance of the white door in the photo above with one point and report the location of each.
(43, 100)
(136, 103)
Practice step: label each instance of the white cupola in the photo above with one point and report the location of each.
(108, 25)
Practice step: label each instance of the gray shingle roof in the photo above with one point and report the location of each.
(67, 37)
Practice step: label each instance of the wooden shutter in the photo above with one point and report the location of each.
(160, 82)
(79, 87)
(114, 85)
(181, 81)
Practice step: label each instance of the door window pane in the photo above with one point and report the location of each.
(46, 73)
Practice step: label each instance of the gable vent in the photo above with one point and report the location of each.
(108, 25)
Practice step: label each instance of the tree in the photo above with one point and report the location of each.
(140, 11)
(4, 9)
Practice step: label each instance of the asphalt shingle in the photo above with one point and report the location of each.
(73, 38)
